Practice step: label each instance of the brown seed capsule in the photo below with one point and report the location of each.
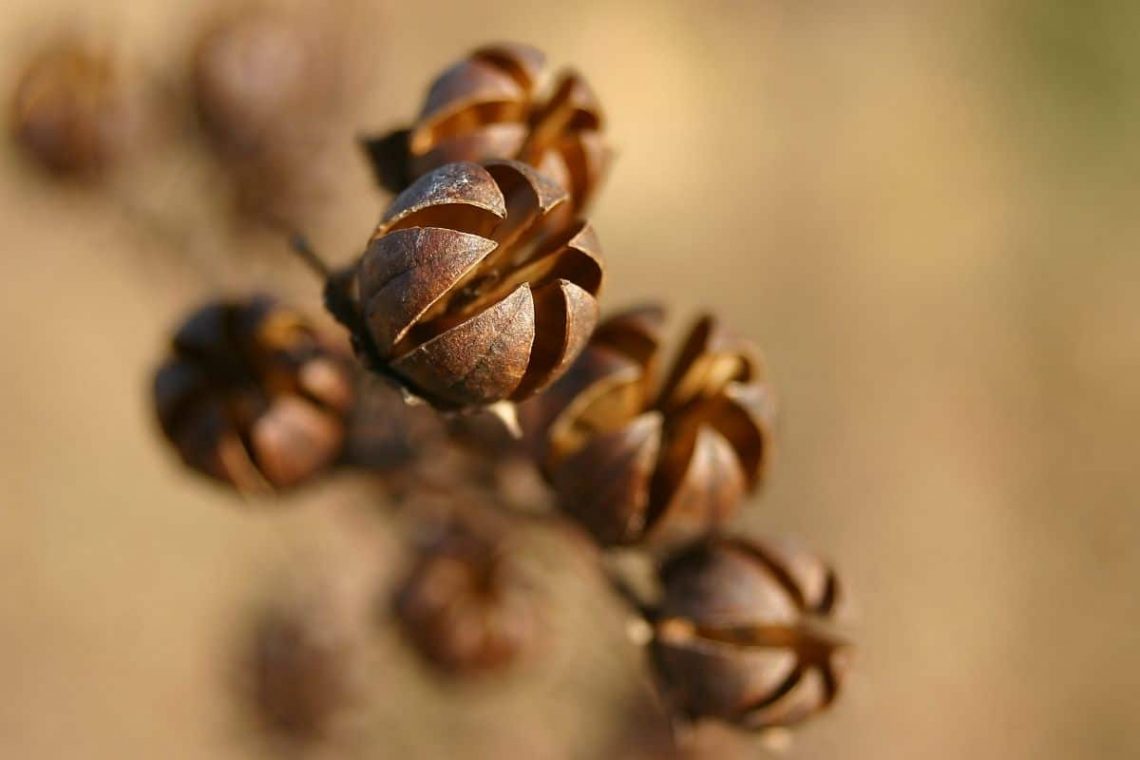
(464, 606)
(72, 111)
(265, 85)
(491, 105)
(739, 634)
(471, 291)
(638, 463)
(252, 396)
(296, 672)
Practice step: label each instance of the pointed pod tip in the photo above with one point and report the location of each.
(507, 413)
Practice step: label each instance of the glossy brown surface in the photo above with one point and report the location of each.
(473, 290)
(252, 397)
(492, 105)
(463, 605)
(72, 112)
(739, 635)
(637, 459)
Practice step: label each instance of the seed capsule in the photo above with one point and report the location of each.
(473, 289)
(464, 606)
(72, 111)
(252, 396)
(638, 462)
(265, 87)
(297, 671)
(739, 634)
(491, 105)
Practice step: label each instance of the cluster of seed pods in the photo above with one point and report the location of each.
(478, 289)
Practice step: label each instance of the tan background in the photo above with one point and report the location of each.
(924, 212)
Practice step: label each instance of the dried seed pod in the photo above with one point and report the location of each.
(72, 110)
(252, 396)
(265, 85)
(471, 291)
(739, 635)
(296, 670)
(491, 105)
(464, 606)
(638, 463)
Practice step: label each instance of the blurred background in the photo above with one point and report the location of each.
(924, 213)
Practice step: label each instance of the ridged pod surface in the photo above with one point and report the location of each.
(741, 633)
(475, 288)
(492, 105)
(252, 396)
(638, 460)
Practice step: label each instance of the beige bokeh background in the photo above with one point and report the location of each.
(924, 212)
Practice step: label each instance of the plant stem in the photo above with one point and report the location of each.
(301, 246)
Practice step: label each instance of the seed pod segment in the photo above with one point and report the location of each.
(492, 105)
(252, 396)
(473, 290)
(740, 635)
(638, 460)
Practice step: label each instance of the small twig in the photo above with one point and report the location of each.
(301, 246)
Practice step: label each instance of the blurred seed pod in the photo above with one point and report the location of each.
(740, 633)
(640, 461)
(470, 292)
(252, 396)
(465, 606)
(297, 669)
(74, 112)
(491, 105)
(266, 87)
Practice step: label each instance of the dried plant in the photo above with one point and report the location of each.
(740, 635)
(471, 291)
(491, 105)
(476, 293)
(75, 111)
(464, 606)
(637, 459)
(266, 87)
(252, 395)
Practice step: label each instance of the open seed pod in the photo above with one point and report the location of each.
(491, 105)
(252, 396)
(636, 460)
(740, 633)
(471, 290)
(73, 111)
(464, 605)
